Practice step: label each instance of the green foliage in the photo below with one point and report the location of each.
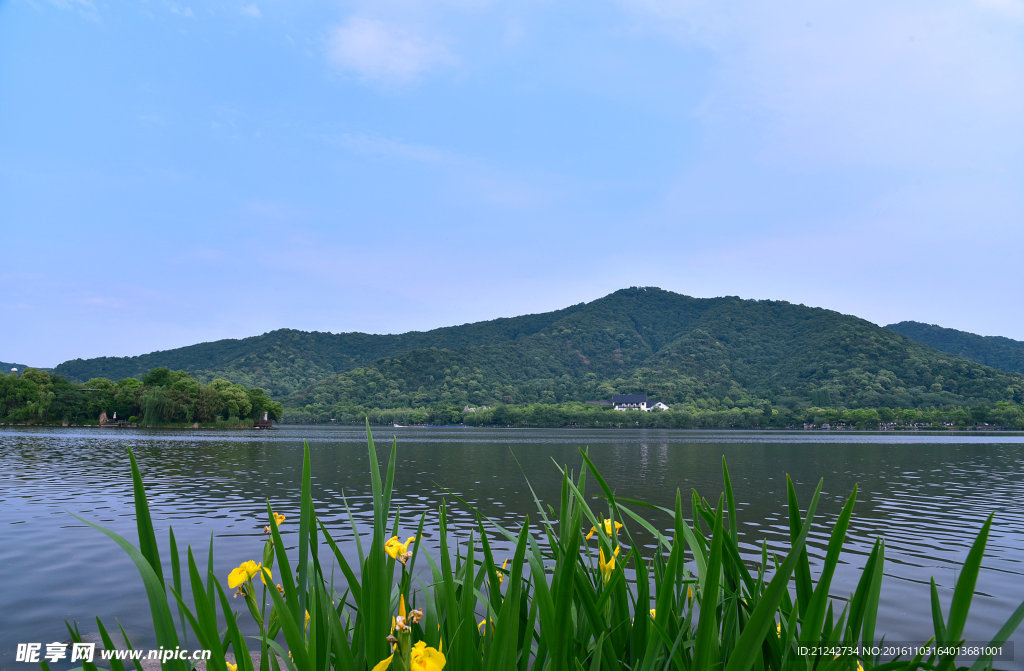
(995, 351)
(163, 396)
(565, 600)
(705, 416)
(709, 354)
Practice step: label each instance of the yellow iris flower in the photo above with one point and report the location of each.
(607, 529)
(501, 576)
(427, 659)
(278, 518)
(607, 566)
(423, 659)
(245, 571)
(395, 549)
(231, 667)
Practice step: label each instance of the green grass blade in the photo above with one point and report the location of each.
(292, 626)
(707, 647)
(762, 619)
(804, 587)
(242, 656)
(108, 643)
(1001, 637)
(76, 637)
(176, 578)
(864, 602)
(147, 538)
(963, 593)
(730, 500)
(814, 616)
(163, 622)
(938, 622)
(306, 527)
(351, 581)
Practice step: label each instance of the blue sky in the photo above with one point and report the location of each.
(178, 172)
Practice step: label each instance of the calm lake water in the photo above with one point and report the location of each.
(926, 495)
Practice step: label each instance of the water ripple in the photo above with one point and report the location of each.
(925, 495)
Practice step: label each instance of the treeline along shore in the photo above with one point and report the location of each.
(722, 363)
(161, 398)
(173, 398)
(1002, 415)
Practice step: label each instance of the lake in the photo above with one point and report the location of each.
(927, 495)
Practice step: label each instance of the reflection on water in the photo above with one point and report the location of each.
(926, 495)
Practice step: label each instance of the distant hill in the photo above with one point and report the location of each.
(679, 349)
(718, 352)
(286, 361)
(5, 368)
(994, 351)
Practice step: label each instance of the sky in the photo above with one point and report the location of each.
(181, 172)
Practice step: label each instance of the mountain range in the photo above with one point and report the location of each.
(710, 352)
(994, 351)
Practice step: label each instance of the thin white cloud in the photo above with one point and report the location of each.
(84, 8)
(1013, 9)
(252, 11)
(908, 85)
(372, 145)
(472, 175)
(385, 53)
(185, 12)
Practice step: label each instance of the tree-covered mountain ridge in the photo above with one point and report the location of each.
(702, 352)
(287, 360)
(995, 351)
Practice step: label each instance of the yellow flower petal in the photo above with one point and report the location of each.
(237, 577)
(501, 576)
(607, 528)
(608, 566)
(245, 571)
(426, 659)
(383, 664)
(398, 550)
(251, 567)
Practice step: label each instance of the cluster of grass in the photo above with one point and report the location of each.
(567, 599)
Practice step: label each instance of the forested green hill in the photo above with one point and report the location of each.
(285, 361)
(720, 352)
(704, 353)
(995, 351)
